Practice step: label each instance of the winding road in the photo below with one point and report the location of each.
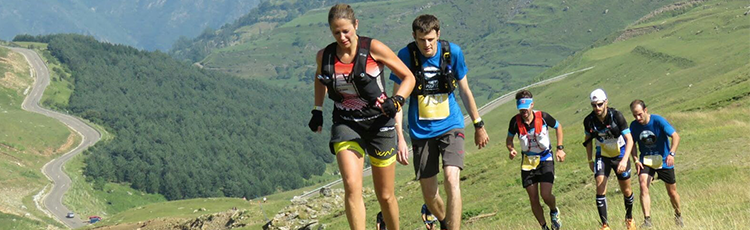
(482, 110)
(54, 169)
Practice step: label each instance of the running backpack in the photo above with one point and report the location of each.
(368, 87)
(445, 82)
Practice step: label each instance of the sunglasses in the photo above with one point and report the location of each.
(597, 105)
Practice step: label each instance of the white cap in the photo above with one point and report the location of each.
(598, 95)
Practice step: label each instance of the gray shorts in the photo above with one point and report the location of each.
(427, 152)
(376, 138)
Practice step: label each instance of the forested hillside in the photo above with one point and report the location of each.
(148, 24)
(185, 132)
(507, 43)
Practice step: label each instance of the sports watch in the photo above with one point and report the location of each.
(671, 153)
(560, 147)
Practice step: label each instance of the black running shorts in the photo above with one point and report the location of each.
(666, 175)
(603, 166)
(376, 137)
(544, 173)
(427, 153)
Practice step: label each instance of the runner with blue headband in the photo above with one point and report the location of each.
(537, 165)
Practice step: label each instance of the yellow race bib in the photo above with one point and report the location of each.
(530, 162)
(434, 107)
(653, 161)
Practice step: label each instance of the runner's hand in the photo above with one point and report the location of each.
(638, 167)
(480, 137)
(560, 155)
(390, 106)
(513, 154)
(316, 121)
(403, 153)
(622, 166)
(670, 160)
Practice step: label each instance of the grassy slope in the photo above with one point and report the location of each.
(506, 43)
(710, 114)
(710, 125)
(27, 142)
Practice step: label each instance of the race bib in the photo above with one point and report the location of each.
(433, 107)
(530, 162)
(653, 161)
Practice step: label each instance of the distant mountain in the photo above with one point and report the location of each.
(147, 24)
(506, 43)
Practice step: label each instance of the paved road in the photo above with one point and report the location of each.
(482, 110)
(53, 169)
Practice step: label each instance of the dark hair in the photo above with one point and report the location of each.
(340, 11)
(523, 94)
(637, 102)
(425, 23)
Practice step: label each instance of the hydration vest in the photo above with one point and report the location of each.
(369, 88)
(611, 131)
(444, 82)
(542, 139)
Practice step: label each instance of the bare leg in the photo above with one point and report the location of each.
(383, 179)
(674, 198)
(547, 196)
(351, 164)
(536, 207)
(432, 197)
(645, 182)
(453, 190)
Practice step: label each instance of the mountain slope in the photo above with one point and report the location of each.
(184, 132)
(149, 24)
(506, 43)
(693, 70)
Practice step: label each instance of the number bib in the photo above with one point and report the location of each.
(653, 161)
(530, 162)
(434, 107)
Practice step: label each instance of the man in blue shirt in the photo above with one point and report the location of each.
(657, 157)
(436, 123)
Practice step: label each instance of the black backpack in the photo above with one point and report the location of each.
(368, 87)
(445, 82)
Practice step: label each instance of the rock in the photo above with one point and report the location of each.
(606, 11)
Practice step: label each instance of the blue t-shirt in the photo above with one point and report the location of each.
(419, 127)
(652, 138)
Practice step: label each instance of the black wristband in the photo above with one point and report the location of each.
(560, 147)
(479, 124)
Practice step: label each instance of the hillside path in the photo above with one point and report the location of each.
(54, 169)
(482, 110)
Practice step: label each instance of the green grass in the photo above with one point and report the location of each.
(504, 51)
(27, 141)
(710, 115)
(61, 84)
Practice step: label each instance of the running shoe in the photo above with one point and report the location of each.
(605, 227)
(554, 216)
(678, 221)
(630, 224)
(647, 223)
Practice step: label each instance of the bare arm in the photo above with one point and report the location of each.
(675, 142)
(380, 52)
(403, 149)
(559, 152)
(480, 134)
(509, 146)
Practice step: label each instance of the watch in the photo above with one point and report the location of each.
(479, 124)
(560, 147)
(671, 153)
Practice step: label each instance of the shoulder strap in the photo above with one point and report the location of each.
(329, 60)
(363, 51)
(521, 127)
(416, 65)
(445, 58)
(538, 122)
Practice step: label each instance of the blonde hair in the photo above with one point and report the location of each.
(341, 11)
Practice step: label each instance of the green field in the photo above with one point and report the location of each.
(693, 71)
(27, 142)
(506, 43)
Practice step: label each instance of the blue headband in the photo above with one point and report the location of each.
(524, 103)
